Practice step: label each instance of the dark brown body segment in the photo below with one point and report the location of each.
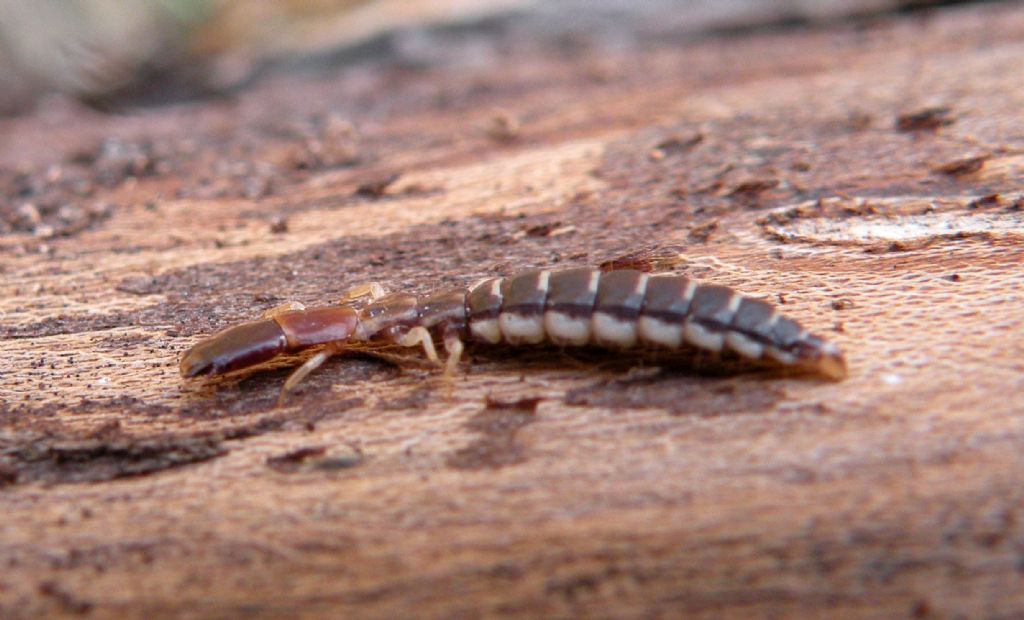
(666, 298)
(785, 333)
(390, 316)
(482, 302)
(524, 294)
(619, 293)
(445, 312)
(392, 309)
(710, 306)
(757, 320)
(571, 292)
(752, 319)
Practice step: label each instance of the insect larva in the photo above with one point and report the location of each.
(619, 309)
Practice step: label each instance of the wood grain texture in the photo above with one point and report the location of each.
(532, 485)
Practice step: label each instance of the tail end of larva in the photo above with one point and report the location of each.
(824, 359)
(832, 364)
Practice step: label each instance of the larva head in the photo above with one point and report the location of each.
(237, 347)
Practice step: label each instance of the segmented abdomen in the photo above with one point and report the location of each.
(625, 308)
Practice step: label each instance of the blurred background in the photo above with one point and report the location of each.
(109, 53)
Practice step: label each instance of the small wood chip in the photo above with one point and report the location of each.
(925, 119)
(963, 167)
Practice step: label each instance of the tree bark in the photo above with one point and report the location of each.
(864, 177)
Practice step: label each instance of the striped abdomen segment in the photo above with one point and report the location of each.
(625, 308)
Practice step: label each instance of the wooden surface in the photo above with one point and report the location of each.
(866, 177)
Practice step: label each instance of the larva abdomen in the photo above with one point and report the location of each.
(623, 309)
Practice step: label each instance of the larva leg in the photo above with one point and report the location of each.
(373, 290)
(419, 336)
(304, 371)
(453, 345)
(291, 306)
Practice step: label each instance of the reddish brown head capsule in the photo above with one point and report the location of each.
(237, 347)
(253, 343)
